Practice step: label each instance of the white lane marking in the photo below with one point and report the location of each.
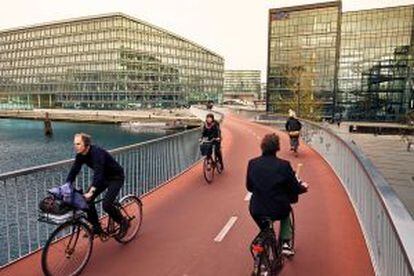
(248, 196)
(225, 229)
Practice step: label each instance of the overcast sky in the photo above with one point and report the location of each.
(235, 29)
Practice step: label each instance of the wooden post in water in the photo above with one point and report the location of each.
(48, 125)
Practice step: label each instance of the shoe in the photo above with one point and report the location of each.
(287, 249)
(123, 228)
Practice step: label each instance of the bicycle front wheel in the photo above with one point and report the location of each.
(68, 249)
(208, 169)
(219, 166)
(131, 209)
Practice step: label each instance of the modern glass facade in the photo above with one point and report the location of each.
(357, 63)
(111, 61)
(375, 65)
(241, 84)
(303, 51)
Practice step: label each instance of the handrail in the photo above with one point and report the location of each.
(69, 161)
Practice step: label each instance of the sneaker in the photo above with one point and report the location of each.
(287, 249)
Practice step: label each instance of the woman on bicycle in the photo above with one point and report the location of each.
(212, 132)
(274, 187)
(293, 127)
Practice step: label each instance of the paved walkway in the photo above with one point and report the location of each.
(182, 219)
(108, 116)
(389, 154)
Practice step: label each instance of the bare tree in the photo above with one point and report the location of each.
(296, 81)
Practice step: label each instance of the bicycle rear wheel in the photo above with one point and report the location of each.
(208, 169)
(266, 261)
(131, 209)
(68, 249)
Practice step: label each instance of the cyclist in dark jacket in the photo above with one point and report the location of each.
(212, 131)
(108, 175)
(274, 187)
(293, 127)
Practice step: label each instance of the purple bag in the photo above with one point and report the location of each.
(70, 196)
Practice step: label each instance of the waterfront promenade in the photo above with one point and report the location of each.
(106, 116)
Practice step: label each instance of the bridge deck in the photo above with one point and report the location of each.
(182, 219)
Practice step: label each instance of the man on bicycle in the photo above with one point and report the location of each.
(274, 187)
(293, 127)
(108, 175)
(212, 132)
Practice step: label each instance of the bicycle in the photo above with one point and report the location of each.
(266, 249)
(211, 161)
(69, 247)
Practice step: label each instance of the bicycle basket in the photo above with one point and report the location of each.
(206, 149)
(58, 219)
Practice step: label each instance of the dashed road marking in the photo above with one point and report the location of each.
(225, 229)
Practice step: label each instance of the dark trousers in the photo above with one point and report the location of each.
(286, 227)
(217, 151)
(294, 142)
(113, 187)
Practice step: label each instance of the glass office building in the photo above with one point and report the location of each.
(302, 57)
(375, 65)
(357, 63)
(109, 61)
(241, 84)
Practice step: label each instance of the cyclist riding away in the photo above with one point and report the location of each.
(212, 131)
(108, 175)
(274, 187)
(293, 127)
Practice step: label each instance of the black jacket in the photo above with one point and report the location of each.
(293, 124)
(211, 132)
(103, 164)
(273, 185)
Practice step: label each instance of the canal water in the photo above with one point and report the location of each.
(23, 143)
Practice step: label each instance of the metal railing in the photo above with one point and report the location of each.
(147, 165)
(387, 226)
